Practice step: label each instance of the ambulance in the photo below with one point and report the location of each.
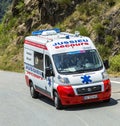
(65, 67)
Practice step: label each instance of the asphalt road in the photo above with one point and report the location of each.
(17, 108)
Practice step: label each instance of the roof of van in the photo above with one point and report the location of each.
(58, 42)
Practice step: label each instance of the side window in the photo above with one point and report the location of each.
(48, 61)
(38, 60)
(48, 67)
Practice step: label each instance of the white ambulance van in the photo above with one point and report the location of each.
(65, 67)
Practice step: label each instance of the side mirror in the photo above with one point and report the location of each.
(49, 72)
(106, 64)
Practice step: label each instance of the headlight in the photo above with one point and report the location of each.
(105, 75)
(63, 80)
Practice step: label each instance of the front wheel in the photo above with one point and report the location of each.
(33, 92)
(57, 101)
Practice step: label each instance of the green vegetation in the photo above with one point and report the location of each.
(89, 8)
(11, 54)
(99, 29)
(109, 41)
(115, 63)
(4, 4)
(20, 6)
(104, 51)
(90, 18)
(63, 1)
(83, 31)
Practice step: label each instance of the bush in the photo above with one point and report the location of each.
(99, 29)
(83, 31)
(109, 40)
(20, 6)
(89, 8)
(104, 51)
(115, 63)
(81, 8)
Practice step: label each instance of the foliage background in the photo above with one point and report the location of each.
(98, 19)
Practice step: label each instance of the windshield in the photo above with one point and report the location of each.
(77, 61)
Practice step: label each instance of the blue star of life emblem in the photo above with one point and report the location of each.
(86, 79)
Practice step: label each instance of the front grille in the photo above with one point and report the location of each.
(89, 90)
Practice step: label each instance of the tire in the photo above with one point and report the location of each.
(33, 92)
(57, 101)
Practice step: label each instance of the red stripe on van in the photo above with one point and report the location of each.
(36, 44)
(34, 75)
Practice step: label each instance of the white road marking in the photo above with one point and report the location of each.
(117, 82)
(82, 120)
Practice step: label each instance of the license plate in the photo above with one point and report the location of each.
(90, 97)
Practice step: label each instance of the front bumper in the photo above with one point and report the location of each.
(81, 99)
(68, 97)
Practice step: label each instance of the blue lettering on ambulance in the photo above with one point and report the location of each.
(60, 43)
(76, 41)
(34, 70)
(70, 42)
(79, 40)
(66, 42)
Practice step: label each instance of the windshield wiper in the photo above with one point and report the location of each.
(66, 72)
(80, 71)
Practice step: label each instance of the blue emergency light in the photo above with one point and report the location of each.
(39, 32)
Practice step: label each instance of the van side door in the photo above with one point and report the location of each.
(39, 79)
(49, 74)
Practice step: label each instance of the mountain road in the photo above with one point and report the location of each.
(17, 108)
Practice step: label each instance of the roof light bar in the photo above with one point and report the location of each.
(39, 32)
